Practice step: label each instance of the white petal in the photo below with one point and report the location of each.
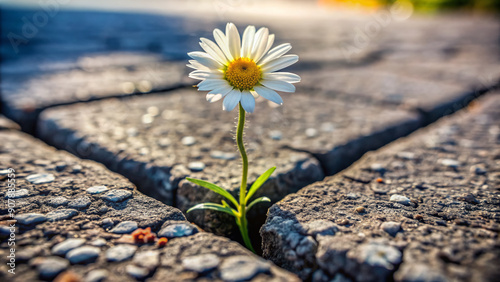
(270, 41)
(232, 99)
(275, 53)
(269, 94)
(213, 97)
(216, 94)
(260, 44)
(248, 36)
(213, 50)
(210, 84)
(221, 40)
(202, 75)
(280, 63)
(205, 59)
(284, 76)
(278, 85)
(222, 90)
(194, 64)
(233, 40)
(247, 101)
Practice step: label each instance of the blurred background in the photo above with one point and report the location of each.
(58, 52)
(365, 66)
(424, 6)
(63, 31)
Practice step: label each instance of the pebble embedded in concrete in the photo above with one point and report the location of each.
(276, 135)
(222, 155)
(117, 195)
(196, 166)
(99, 242)
(19, 193)
(201, 263)
(124, 227)
(41, 178)
(377, 255)
(120, 252)
(147, 259)
(376, 167)
(406, 155)
(61, 214)
(241, 268)
(178, 230)
(449, 163)
(320, 227)
(69, 244)
(391, 227)
(58, 201)
(83, 255)
(311, 132)
(97, 189)
(97, 275)
(80, 203)
(188, 140)
(400, 199)
(136, 271)
(107, 223)
(30, 218)
(50, 267)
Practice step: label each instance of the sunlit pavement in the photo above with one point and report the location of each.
(106, 81)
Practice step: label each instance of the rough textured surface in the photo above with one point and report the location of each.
(80, 242)
(92, 33)
(387, 85)
(457, 60)
(189, 137)
(6, 123)
(25, 96)
(81, 55)
(157, 148)
(70, 178)
(423, 208)
(362, 78)
(180, 250)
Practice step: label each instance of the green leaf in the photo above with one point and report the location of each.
(258, 200)
(214, 188)
(215, 207)
(258, 183)
(225, 204)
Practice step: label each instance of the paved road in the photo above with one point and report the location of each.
(110, 85)
(424, 208)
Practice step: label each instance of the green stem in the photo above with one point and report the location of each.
(244, 158)
(242, 221)
(242, 224)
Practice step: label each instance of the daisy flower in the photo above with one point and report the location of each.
(239, 70)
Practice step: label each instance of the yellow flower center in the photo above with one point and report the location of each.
(243, 73)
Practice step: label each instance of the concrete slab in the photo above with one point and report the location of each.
(428, 87)
(48, 174)
(72, 33)
(69, 216)
(422, 208)
(6, 123)
(411, 63)
(419, 39)
(25, 96)
(25, 66)
(158, 140)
